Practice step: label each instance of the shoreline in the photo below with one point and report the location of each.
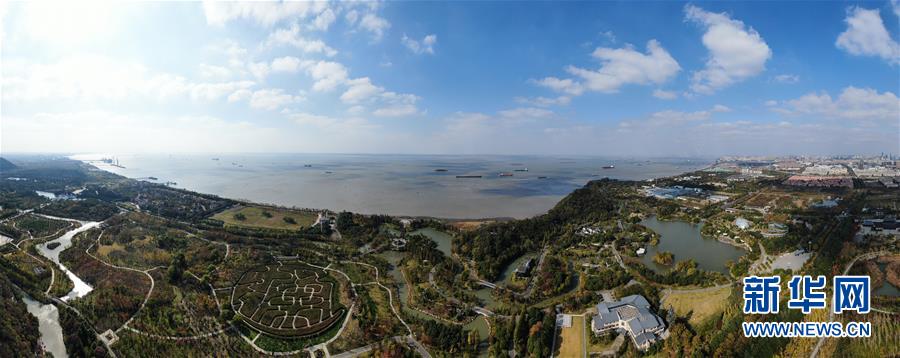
(447, 219)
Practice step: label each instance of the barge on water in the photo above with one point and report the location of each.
(468, 176)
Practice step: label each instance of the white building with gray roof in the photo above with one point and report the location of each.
(630, 315)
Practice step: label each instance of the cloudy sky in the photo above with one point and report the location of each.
(634, 79)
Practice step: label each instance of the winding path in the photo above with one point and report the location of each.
(866, 256)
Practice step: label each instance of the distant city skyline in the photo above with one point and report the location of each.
(619, 79)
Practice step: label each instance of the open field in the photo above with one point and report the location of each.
(703, 303)
(255, 216)
(571, 339)
(289, 300)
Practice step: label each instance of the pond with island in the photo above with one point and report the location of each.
(886, 289)
(444, 242)
(684, 240)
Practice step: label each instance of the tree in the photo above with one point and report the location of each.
(240, 217)
(176, 268)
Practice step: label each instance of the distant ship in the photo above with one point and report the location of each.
(505, 174)
(216, 159)
(440, 170)
(521, 170)
(307, 165)
(609, 166)
(468, 176)
(542, 177)
(329, 172)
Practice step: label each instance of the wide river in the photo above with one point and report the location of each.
(417, 185)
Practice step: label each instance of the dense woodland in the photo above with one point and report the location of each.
(18, 329)
(494, 246)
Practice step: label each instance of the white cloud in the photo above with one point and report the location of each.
(397, 110)
(526, 112)
(397, 105)
(272, 99)
(853, 104)
(375, 25)
(351, 17)
(93, 77)
(286, 64)
(736, 52)
(608, 36)
(360, 89)
(787, 78)
(624, 66)
(291, 37)
(104, 131)
(213, 71)
(566, 85)
(619, 67)
(544, 101)
(867, 36)
(420, 47)
(323, 20)
(259, 70)
(239, 95)
(327, 75)
(661, 94)
(264, 13)
(671, 118)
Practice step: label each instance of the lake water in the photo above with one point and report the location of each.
(80, 288)
(393, 184)
(886, 289)
(443, 240)
(684, 241)
(48, 325)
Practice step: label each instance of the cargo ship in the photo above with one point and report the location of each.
(440, 170)
(468, 176)
(505, 174)
(609, 166)
(521, 170)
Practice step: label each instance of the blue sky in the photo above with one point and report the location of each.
(600, 78)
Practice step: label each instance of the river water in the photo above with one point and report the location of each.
(47, 314)
(81, 288)
(417, 185)
(48, 325)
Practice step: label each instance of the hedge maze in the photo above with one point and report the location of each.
(287, 300)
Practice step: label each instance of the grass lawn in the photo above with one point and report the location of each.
(703, 303)
(572, 342)
(254, 217)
